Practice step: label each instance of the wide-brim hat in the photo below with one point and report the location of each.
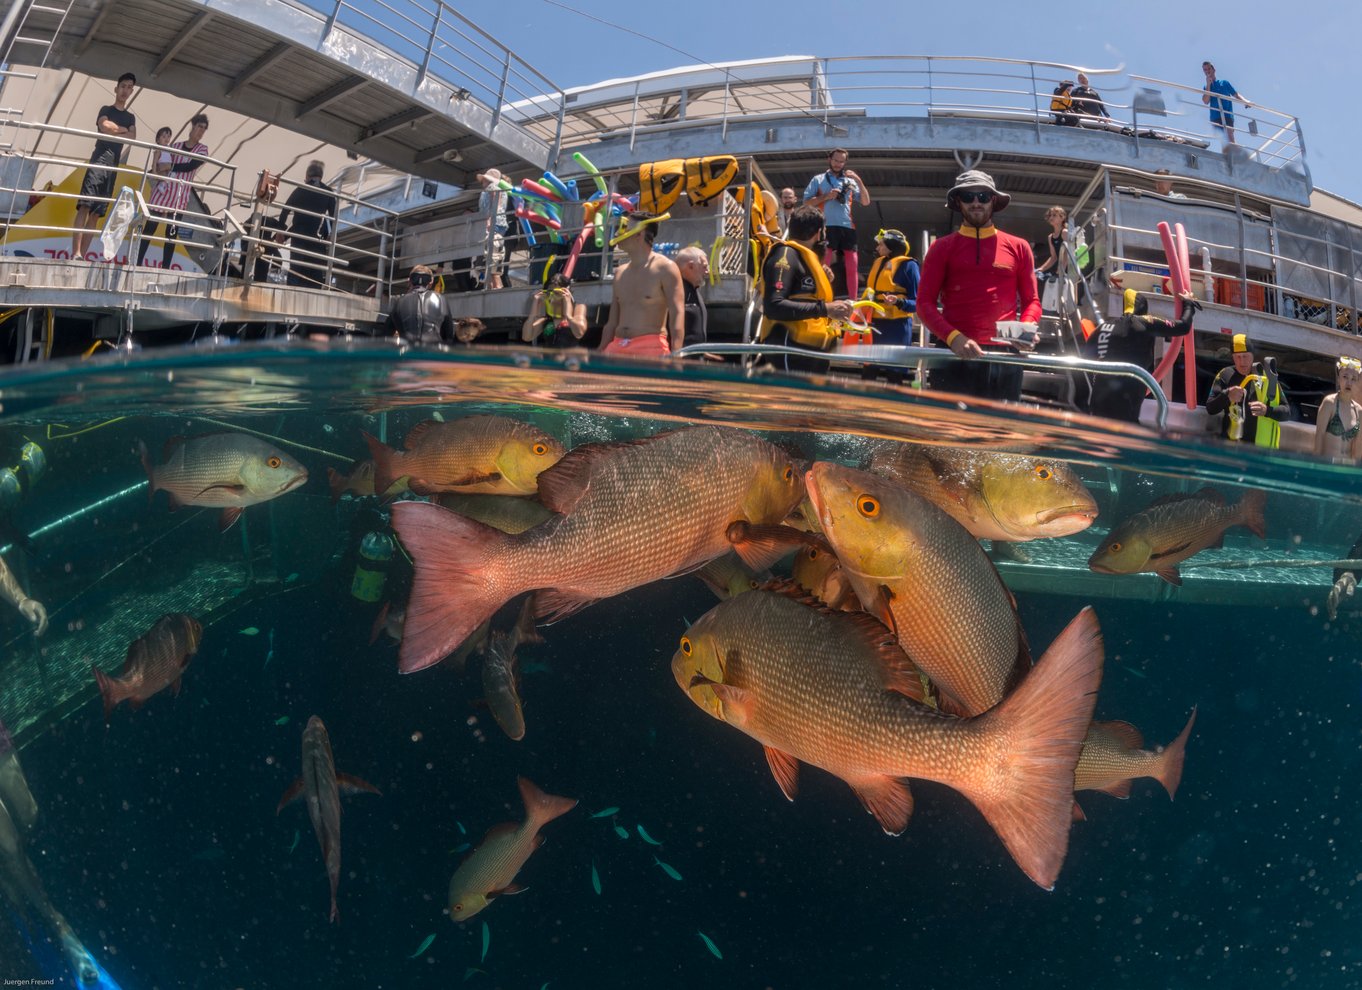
(975, 179)
(492, 175)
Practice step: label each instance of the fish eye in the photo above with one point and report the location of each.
(753, 584)
(868, 506)
(1114, 547)
(1044, 473)
(813, 553)
(458, 907)
(540, 448)
(273, 461)
(686, 646)
(787, 474)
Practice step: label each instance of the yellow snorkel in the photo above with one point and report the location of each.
(628, 228)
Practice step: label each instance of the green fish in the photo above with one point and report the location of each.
(643, 834)
(709, 944)
(468, 973)
(621, 831)
(462, 830)
(295, 841)
(281, 720)
(486, 941)
(595, 878)
(249, 631)
(667, 868)
(605, 812)
(463, 847)
(425, 944)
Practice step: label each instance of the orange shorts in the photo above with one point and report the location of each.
(646, 345)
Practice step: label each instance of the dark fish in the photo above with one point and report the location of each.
(1173, 528)
(501, 673)
(322, 787)
(156, 660)
(226, 471)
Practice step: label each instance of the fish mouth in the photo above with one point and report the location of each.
(1100, 568)
(1088, 512)
(293, 483)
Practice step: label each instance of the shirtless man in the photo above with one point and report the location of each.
(647, 308)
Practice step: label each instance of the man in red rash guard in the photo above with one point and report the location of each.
(972, 279)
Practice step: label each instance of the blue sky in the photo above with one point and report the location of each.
(1300, 64)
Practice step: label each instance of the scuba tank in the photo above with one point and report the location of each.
(371, 571)
(17, 481)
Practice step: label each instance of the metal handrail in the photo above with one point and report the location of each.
(904, 357)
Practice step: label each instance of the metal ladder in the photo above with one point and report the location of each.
(28, 32)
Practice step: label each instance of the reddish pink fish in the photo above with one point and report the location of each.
(156, 660)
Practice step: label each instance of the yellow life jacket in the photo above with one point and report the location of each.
(881, 283)
(1061, 103)
(817, 332)
(661, 183)
(1267, 431)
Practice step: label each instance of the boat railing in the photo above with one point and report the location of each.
(465, 243)
(913, 357)
(441, 43)
(219, 213)
(934, 87)
(1276, 259)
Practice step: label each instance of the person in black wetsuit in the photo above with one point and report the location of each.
(1345, 581)
(421, 317)
(313, 208)
(796, 299)
(1130, 340)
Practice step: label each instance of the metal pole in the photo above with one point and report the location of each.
(1243, 261)
(1035, 99)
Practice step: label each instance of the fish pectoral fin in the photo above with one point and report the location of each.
(551, 605)
(222, 489)
(294, 792)
(880, 607)
(1077, 813)
(348, 784)
(1170, 574)
(228, 517)
(785, 768)
(761, 546)
(175, 686)
(1120, 789)
(508, 890)
(422, 487)
(888, 799)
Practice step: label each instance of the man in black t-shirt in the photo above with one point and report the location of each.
(115, 120)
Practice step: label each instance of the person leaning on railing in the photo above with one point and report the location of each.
(1130, 340)
(101, 175)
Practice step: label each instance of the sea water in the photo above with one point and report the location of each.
(158, 837)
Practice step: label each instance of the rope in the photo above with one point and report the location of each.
(270, 436)
(1235, 565)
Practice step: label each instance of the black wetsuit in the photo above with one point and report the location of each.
(784, 275)
(697, 316)
(422, 318)
(1129, 340)
(1219, 402)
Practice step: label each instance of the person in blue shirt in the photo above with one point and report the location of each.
(832, 192)
(1220, 95)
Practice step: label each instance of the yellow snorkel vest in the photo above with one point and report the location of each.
(881, 283)
(818, 332)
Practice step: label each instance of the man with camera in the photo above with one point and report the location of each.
(832, 192)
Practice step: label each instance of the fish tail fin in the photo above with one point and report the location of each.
(336, 481)
(335, 912)
(108, 691)
(148, 468)
(1169, 770)
(542, 808)
(1038, 732)
(454, 589)
(1251, 512)
(383, 456)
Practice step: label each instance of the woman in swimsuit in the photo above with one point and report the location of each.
(1340, 415)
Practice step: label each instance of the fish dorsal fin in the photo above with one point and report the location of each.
(1207, 494)
(897, 671)
(171, 445)
(785, 768)
(1125, 733)
(562, 486)
(949, 477)
(417, 432)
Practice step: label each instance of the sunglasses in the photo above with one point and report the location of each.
(974, 196)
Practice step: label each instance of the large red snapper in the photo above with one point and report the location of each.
(227, 471)
(1173, 528)
(919, 571)
(994, 495)
(628, 514)
(492, 455)
(832, 689)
